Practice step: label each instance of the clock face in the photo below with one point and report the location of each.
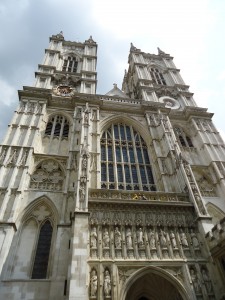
(64, 90)
(170, 102)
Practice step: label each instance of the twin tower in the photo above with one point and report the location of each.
(118, 196)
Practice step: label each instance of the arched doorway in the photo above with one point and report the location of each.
(153, 283)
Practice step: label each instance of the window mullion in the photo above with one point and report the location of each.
(137, 167)
(114, 157)
(107, 162)
(143, 164)
(53, 126)
(135, 156)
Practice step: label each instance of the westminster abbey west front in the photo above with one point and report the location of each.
(111, 197)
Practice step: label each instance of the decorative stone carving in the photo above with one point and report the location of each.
(2, 156)
(13, 158)
(64, 90)
(194, 188)
(117, 214)
(167, 92)
(93, 238)
(23, 159)
(83, 177)
(129, 238)
(82, 191)
(117, 238)
(105, 238)
(183, 239)
(195, 280)
(173, 239)
(162, 238)
(152, 241)
(107, 284)
(194, 239)
(93, 284)
(48, 175)
(207, 280)
(200, 204)
(86, 114)
(140, 239)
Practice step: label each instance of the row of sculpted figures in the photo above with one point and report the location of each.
(143, 242)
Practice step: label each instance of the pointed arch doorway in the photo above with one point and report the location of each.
(154, 283)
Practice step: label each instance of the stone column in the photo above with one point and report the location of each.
(78, 287)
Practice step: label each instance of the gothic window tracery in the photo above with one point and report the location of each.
(47, 176)
(184, 139)
(70, 64)
(125, 161)
(157, 76)
(58, 126)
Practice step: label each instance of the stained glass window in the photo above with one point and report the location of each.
(126, 165)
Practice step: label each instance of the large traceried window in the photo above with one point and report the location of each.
(57, 126)
(125, 163)
(70, 64)
(157, 76)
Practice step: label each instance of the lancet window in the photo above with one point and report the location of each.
(184, 139)
(157, 76)
(40, 266)
(58, 126)
(125, 162)
(70, 64)
(35, 239)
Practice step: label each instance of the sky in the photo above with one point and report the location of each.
(191, 31)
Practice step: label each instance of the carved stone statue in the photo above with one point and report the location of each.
(117, 236)
(129, 238)
(194, 239)
(183, 239)
(94, 284)
(93, 238)
(105, 238)
(195, 281)
(173, 239)
(86, 113)
(82, 192)
(207, 281)
(140, 237)
(152, 239)
(162, 238)
(107, 284)
(200, 205)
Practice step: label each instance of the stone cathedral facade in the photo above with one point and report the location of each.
(118, 196)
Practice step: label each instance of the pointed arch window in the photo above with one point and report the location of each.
(70, 64)
(58, 126)
(125, 162)
(184, 139)
(157, 76)
(40, 266)
(32, 258)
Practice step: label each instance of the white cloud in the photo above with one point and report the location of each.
(8, 93)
